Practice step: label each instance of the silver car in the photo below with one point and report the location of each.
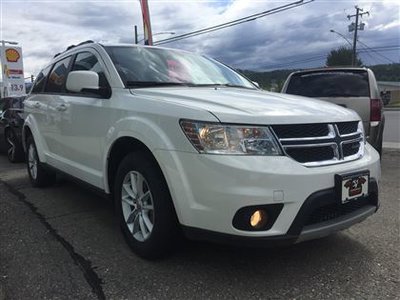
(353, 88)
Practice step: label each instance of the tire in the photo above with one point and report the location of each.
(144, 207)
(38, 174)
(14, 148)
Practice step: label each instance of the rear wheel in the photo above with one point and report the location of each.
(14, 149)
(144, 207)
(38, 174)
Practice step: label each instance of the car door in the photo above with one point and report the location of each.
(54, 90)
(36, 106)
(79, 124)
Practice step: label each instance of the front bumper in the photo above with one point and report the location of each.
(299, 230)
(208, 190)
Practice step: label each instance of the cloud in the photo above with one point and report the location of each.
(295, 38)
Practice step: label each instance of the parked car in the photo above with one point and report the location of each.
(11, 122)
(353, 88)
(184, 144)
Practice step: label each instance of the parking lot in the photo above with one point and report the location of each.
(62, 242)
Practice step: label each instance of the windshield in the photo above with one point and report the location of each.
(351, 83)
(146, 66)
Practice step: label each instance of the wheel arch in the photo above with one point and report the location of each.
(30, 129)
(121, 147)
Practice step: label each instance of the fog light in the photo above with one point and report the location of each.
(258, 219)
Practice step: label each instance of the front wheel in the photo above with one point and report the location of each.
(38, 174)
(144, 207)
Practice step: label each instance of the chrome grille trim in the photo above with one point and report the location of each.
(333, 139)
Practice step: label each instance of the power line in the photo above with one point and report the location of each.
(234, 22)
(372, 58)
(368, 47)
(323, 56)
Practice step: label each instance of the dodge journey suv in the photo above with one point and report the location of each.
(184, 145)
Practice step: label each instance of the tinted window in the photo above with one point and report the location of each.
(140, 66)
(41, 80)
(57, 77)
(330, 84)
(87, 61)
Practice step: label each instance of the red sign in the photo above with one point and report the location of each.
(148, 36)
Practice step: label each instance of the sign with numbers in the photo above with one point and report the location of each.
(13, 71)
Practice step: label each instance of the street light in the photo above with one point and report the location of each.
(342, 36)
(159, 33)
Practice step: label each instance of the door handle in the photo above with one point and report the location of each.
(61, 107)
(36, 105)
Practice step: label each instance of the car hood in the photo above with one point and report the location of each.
(246, 106)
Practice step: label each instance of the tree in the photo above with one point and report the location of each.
(341, 57)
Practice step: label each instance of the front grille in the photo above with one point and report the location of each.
(316, 154)
(322, 143)
(300, 131)
(335, 210)
(351, 148)
(347, 127)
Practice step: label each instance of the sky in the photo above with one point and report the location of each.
(297, 38)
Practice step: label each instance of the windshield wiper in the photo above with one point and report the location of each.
(153, 83)
(139, 84)
(225, 85)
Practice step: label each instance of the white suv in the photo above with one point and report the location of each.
(185, 144)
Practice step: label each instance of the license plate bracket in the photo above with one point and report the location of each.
(351, 186)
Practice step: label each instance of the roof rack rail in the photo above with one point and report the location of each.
(82, 43)
(85, 42)
(73, 46)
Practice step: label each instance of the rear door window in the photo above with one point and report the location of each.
(330, 84)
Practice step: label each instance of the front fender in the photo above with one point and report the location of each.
(151, 133)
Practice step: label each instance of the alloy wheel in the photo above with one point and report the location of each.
(32, 161)
(11, 145)
(137, 205)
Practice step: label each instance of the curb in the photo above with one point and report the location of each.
(391, 108)
(389, 145)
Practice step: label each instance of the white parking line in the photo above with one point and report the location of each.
(391, 145)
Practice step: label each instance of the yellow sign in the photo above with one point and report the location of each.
(12, 55)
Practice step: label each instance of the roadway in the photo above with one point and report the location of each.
(62, 242)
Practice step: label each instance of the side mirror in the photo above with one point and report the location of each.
(256, 84)
(80, 81)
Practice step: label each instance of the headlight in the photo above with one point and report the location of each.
(216, 138)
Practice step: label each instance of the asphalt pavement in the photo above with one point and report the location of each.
(62, 242)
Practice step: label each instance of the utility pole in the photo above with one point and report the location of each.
(355, 27)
